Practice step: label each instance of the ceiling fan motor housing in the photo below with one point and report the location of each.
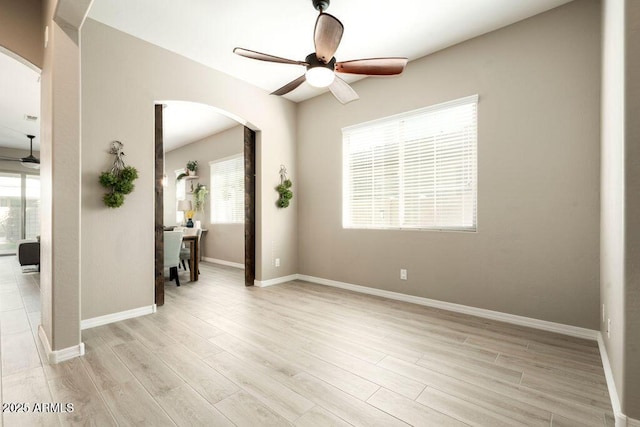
(321, 5)
(313, 62)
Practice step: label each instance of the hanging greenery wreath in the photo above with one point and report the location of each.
(119, 180)
(284, 189)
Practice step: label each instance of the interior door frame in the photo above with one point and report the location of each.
(249, 198)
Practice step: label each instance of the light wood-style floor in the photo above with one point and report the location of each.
(296, 354)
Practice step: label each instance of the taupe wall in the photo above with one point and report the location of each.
(221, 241)
(612, 187)
(21, 29)
(122, 78)
(536, 250)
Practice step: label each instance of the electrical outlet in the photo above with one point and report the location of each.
(277, 262)
(403, 274)
(608, 328)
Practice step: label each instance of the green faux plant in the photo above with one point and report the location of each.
(199, 196)
(119, 183)
(119, 180)
(285, 193)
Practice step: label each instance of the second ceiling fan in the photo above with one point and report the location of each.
(322, 65)
(29, 161)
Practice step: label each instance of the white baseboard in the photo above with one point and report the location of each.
(544, 325)
(276, 281)
(116, 317)
(223, 262)
(57, 356)
(621, 419)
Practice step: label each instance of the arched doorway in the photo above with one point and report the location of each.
(249, 149)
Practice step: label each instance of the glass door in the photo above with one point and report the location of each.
(10, 212)
(32, 207)
(19, 209)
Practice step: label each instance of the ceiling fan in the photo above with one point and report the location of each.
(322, 65)
(30, 161)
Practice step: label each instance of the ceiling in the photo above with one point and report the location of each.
(187, 122)
(206, 31)
(20, 89)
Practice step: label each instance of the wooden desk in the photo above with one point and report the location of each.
(194, 261)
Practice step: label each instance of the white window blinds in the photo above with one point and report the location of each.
(227, 190)
(181, 193)
(415, 170)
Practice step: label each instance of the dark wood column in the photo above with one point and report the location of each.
(249, 206)
(159, 208)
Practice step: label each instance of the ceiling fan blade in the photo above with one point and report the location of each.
(10, 159)
(290, 86)
(342, 91)
(265, 57)
(327, 36)
(373, 66)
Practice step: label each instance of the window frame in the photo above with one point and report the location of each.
(180, 219)
(399, 141)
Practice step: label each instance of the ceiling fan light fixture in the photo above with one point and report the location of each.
(31, 165)
(320, 76)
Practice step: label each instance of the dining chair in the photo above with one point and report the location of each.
(185, 252)
(186, 232)
(172, 244)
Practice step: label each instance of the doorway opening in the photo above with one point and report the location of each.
(224, 238)
(19, 180)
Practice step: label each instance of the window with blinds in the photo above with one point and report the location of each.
(181, 193)
(416, 170)
(227, 190)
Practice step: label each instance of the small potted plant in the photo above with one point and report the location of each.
(192, 167)
(190, 170)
